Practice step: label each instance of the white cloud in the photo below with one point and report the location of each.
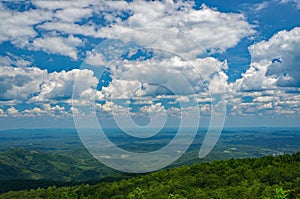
(261, 6)
(34, 84)
(13, 60)
(296, 2)
(59, 85)
(141, 101)
(2, 113)
(17, 27)
(20, 83)
(49, 108)
(33, 112)
(94, 59)
(75, 110)
(274, 63)
(264, 102)
(266, 99)
(182, 99)
(209, 28)
(111, 108)
(58, 45)
(156, 108)
(58, 5)
(22, 28)
(12, 111)
(162, 77)
(72, 14)
(70, 28)
(205, 109)
(106, 106)
(46, 110)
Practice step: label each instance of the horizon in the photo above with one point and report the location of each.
(145, 66)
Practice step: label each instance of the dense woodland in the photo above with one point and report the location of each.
(266, 177)
(23, 164)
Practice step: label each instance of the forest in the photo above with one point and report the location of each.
(269, 177)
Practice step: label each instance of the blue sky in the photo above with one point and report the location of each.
(152, 61)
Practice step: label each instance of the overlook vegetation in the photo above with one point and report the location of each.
(266, 177)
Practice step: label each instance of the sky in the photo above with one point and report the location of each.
(152, 63)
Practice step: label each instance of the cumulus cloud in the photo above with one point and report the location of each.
(17, 27)
(58, 5)
(33, 112)
(47, 110)
(58, 45)
(2, 113)
(12, 111)
(13, 60)
(20, 83)
(165, 77)
(264, 103)
(95, 59)
(37, 88)
(183, 99)
(157, 108)
(21, 27)
(111, 108)
(34, 84)
(70, 28)
(60, 27)
(71, 14)
(210, 28)
(59, 85)
(274, 63)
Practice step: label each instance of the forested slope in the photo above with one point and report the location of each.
(26, 169)
(266, 177)
(18, 163)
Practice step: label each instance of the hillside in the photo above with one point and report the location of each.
(28, 164)
(26, 169)
(266, 177)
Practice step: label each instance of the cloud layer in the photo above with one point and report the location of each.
(181, 59)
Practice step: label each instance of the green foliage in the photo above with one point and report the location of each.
(27, 169)
(279, 194)
(24, 164)
(266, 178)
